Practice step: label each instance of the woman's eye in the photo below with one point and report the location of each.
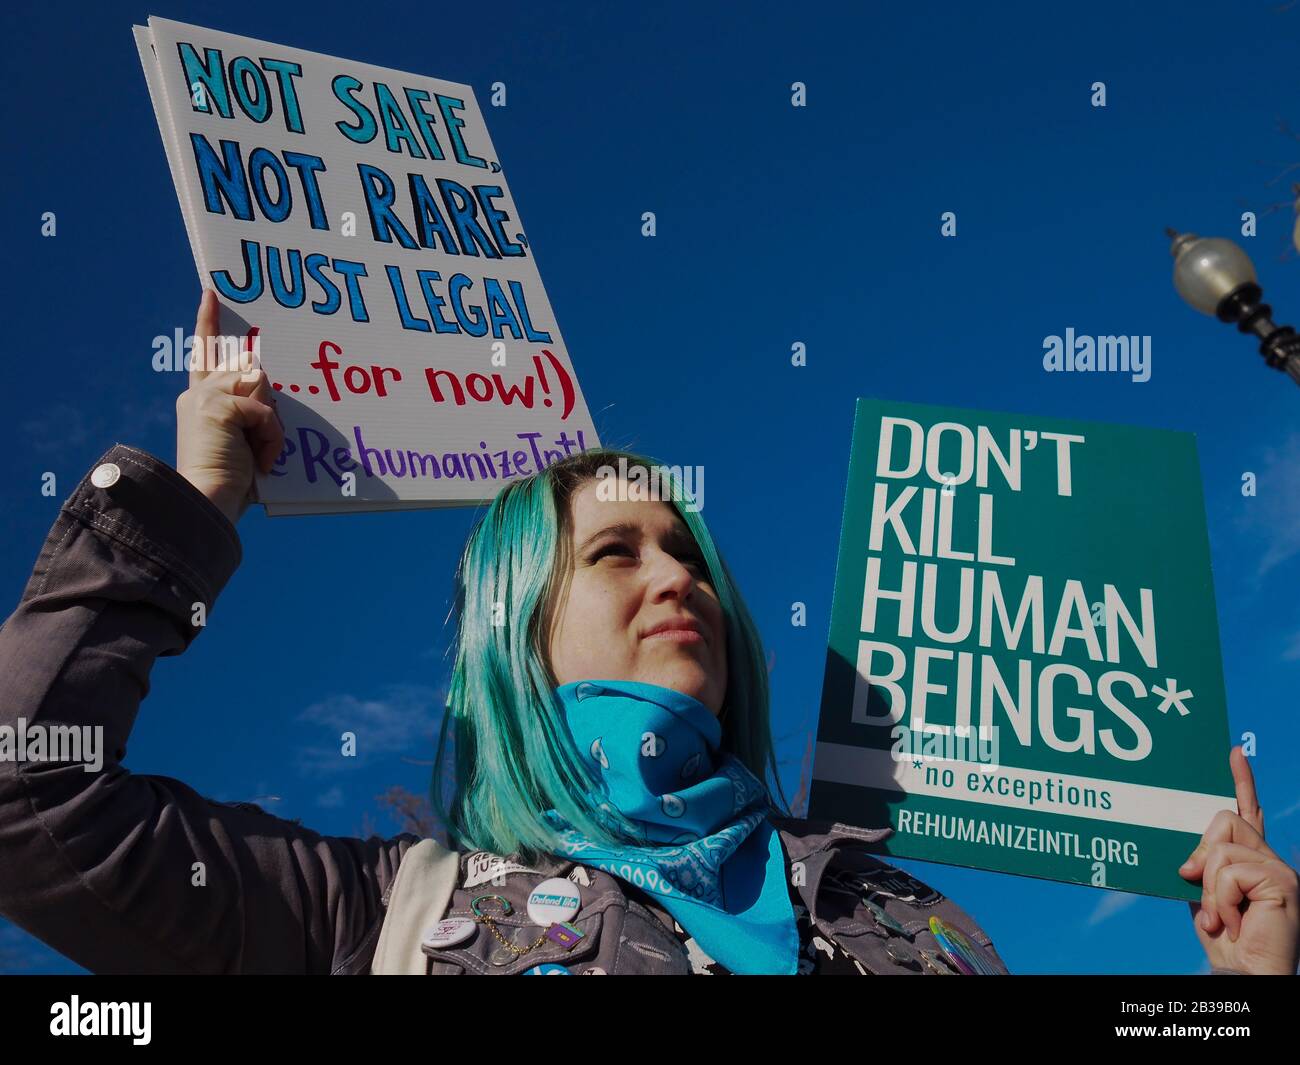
(618, 550)
(698, 562)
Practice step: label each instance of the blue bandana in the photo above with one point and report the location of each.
(709, 853)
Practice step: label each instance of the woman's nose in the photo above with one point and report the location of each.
(669, 576)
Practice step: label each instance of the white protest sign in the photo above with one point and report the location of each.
(365, 247)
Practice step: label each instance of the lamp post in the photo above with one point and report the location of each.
(1217, 278)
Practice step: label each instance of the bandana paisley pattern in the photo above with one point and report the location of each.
(706, 848)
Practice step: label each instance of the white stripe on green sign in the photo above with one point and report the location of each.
(1130, 804)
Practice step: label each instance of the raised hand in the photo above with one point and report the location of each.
(226, 422)
(1248, 918)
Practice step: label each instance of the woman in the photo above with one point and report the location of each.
(609, 735)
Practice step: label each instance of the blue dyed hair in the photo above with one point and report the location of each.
(504, 750)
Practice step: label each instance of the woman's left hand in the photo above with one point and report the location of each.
(1236, 866)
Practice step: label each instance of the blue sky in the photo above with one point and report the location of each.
(775, 224)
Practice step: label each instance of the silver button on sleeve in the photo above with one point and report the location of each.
(106, 475)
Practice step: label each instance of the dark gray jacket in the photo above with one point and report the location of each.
(625, 930)
(98, 864)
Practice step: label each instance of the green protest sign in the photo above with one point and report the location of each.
(1023, 671)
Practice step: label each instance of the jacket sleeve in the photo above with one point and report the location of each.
(102, 864)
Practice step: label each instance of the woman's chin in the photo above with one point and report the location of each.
(688, 678)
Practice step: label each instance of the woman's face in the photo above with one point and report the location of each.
(636, 570)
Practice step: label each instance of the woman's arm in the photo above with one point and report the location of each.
(101, 865)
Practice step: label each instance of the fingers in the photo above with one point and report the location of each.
(1225, 828)
(274, 437)
(1231, 887)
(1235, 884)
(244, 387)
(1244, 779)
(214, 354)
(1201, 918)
(1235, 864)
(264, 393)
(205, 327)
(1220, 857)
(264, 429)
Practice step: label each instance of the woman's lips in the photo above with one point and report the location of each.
(677, 636)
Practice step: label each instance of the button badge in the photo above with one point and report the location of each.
(449, 932)
(553, 901)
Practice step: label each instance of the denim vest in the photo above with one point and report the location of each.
(623, 929)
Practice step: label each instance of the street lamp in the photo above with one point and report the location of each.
(1217, 278)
